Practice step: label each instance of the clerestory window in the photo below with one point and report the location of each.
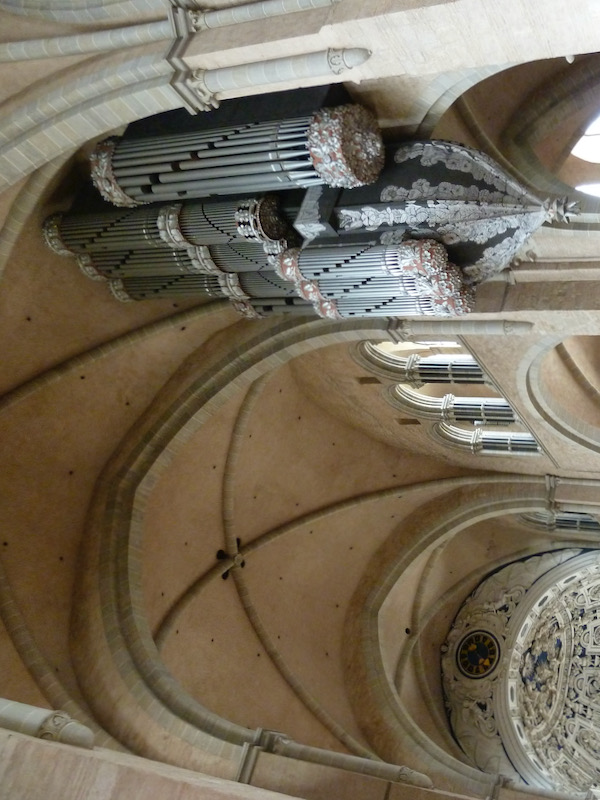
(588, 149)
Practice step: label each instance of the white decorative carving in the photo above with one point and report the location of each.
(307, 221)
(118, 291)
(537, 715)
(197, 20)
(85, 264)
(286, 266)
(341, 60)
(483, 207)
(104, 178)
(53, 725)
(260, 221)
(201, 261)
(246, 309)
(52, 237)
(196, 82)
(169, 230)
(229, 284)
(345, 146)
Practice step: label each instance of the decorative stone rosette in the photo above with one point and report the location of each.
(103, 175)
(345, 146)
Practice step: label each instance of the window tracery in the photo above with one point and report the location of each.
(459, 421)
(562, 520)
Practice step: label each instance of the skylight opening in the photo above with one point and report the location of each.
(592, 189)
(588, 147)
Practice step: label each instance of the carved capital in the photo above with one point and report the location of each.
(197, 20)
(273, 741)
(413, 374)
(341, 60)
(400, 330)
(196, 83)
(335, 60)
(513, 327)
(53, 725)
(477, 441)
(414, 778)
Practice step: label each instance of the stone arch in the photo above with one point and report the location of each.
(578, 420)
(113, 651)
(572, 94)
(60, 114)
(80, 11)
(454, 506)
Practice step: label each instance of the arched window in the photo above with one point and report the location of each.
(478, 440)
(486, 410)
(462, 422)
(562, 520)
(416, 369)
(588, 149)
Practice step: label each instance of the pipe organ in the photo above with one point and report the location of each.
(307, 215)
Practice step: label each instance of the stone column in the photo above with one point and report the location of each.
(44, 723)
